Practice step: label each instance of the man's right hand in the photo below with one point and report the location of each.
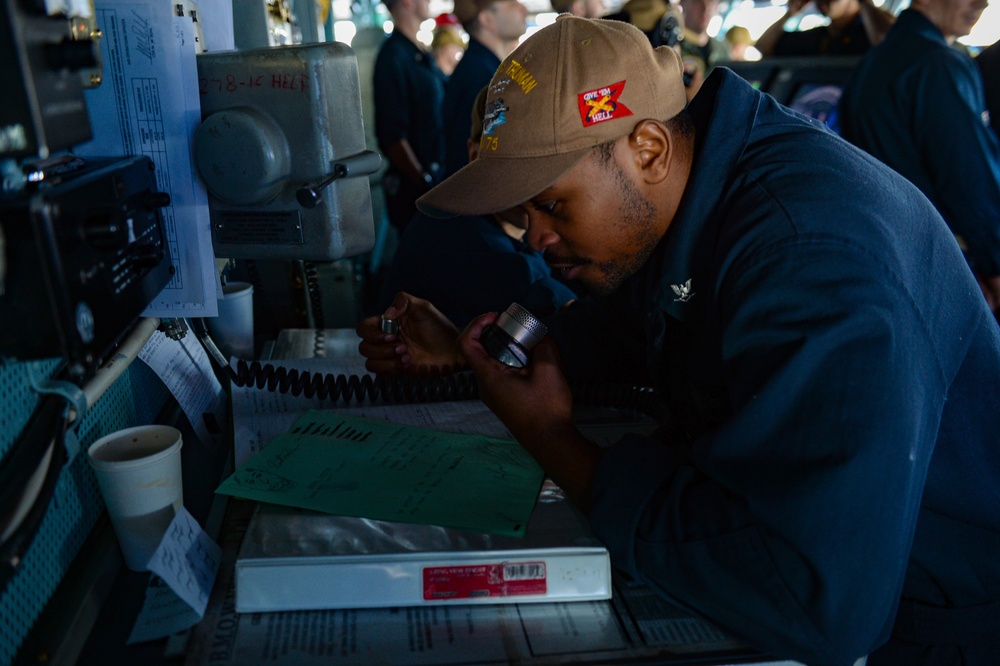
(426, 342)
(768, 40)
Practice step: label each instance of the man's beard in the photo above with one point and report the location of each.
(638, 223)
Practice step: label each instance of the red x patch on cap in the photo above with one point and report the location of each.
(597, 106)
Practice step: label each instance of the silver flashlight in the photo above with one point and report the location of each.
(512, 336)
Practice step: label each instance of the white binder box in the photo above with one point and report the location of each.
(294, 559)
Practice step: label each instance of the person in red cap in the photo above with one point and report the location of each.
(447, 44)
(824, 482)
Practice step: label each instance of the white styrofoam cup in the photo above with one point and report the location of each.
(232, 330)
(139, 473)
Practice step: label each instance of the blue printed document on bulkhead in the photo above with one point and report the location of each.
(351, 466)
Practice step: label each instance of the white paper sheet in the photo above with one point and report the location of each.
(217, 22)
(260, 415)
(187, 560)
(184, 567)
(187, 372)
(148, 104)
(163, 614)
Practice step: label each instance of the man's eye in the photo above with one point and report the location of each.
(546, 207)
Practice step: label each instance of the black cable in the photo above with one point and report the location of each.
(46, 429)
(388, 388)
(432, 387)
(311, 272)
(26, 454)
(200, 329)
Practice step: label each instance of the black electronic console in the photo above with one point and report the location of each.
(45, 56)
(86, 252)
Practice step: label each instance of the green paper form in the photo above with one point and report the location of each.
(351, 466)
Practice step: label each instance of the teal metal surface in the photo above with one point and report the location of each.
(135, 399)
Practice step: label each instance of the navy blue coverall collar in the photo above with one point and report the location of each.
(917, 22)
(686, 250)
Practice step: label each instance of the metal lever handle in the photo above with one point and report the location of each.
(364, 163)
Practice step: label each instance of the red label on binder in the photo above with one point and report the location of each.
(472, 581)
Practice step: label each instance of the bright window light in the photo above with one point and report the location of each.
(987, 30)
(344, 31)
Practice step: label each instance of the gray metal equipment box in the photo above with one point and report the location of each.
(277, 122)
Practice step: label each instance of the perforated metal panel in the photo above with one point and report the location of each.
(136, 398)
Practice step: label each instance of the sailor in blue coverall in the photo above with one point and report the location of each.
(409, 90)
(815, 357)
(473, 72)
(469, 265)
(826, 483)
(917, 104)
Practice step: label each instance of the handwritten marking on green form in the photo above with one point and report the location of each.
(351, 466)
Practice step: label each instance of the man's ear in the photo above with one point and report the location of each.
(485, 18)
(652, 145)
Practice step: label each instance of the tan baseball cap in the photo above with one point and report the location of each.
(573, 85)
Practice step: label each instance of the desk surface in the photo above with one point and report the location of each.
(635, 626)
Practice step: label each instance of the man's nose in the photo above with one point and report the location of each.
(539, 236)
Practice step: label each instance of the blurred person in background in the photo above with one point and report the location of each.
(408, 92)
(855, 26)
(738, 40)
(447, 44)
(659, 20)
(663, 24)
(988, 61)
(700, 52)
(471, 264)
(494, 28)
(584, 8)
(917, 104)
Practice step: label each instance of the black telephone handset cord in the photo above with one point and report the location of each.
(425, 388)
(354, 388)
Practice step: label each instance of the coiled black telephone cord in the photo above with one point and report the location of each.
(434, 387)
